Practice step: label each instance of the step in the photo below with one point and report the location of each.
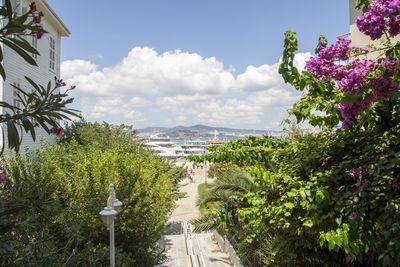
(175, 245)
(217, 260)
(207, 244)
(181, 261)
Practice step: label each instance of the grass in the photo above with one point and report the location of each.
(202, 190)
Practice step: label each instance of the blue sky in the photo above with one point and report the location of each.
(168, 63)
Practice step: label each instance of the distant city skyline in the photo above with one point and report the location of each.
(159, 63)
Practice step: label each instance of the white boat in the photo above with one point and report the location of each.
(196, 147)
(164, 147)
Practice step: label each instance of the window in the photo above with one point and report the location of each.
(16, 100)
(52, 53)
(34, 45)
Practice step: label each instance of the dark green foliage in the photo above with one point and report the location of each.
(333, 200)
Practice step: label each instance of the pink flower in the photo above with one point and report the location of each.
(354, 172)
(352, 216)
(37, 19)
(57, 131)
(33, 7)
(39, 35)
(2, 177)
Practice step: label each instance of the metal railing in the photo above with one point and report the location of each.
(187, 232)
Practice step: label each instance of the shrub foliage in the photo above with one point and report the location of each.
(51, 199)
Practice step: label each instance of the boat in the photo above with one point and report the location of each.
(194, 147)
(164, 147)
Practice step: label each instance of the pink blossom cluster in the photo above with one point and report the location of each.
(382, 15)
(353, 77)
(324, 67)
(57, 131)
(36, 20)
(383, 87)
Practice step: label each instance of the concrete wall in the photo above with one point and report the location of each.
(227, 247)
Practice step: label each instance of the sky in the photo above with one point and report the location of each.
(168, 63)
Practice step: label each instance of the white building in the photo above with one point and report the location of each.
(48, 61)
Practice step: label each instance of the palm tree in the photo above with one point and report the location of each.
(231, 181)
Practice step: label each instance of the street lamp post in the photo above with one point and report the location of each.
(140, 144)
(205, 171)
(108, 215)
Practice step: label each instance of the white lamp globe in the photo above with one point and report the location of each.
(117, 205)
(107, 215)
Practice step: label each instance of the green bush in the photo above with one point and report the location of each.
(332, 200)
(52, 198)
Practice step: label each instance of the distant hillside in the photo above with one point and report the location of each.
(203, 129)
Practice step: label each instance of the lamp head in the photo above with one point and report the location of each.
(107, 215)
(117, 205)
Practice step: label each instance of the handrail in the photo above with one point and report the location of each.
(200, 252)
(188, 242)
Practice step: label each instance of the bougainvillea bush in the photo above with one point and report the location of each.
(330, 198)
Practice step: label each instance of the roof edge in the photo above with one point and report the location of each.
(46, 9)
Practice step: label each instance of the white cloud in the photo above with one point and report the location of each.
(259, 78)
(139, 102)
(182, 88)
(145, 72)
(102, 107)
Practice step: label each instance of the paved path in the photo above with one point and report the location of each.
(185, 250)
(186, 207)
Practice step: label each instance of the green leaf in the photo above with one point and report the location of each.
(32, 83)
(28, 127)
(2, 72)
(345, 238)
(289, 205)
(308, 223)
(24, 45)
(13, 137)
(20, 52)
(338, 240)
(321, 240)
(21, 19)
(9, 8)
(331, 243)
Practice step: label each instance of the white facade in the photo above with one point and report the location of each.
(48, 62)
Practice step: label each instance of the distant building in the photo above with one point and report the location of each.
(49, 47)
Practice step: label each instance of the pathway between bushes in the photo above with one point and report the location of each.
(183, 248)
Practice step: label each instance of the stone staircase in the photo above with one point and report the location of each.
(187, 249)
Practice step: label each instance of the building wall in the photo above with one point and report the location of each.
(16, 68)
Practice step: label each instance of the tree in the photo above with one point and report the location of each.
(44, 106)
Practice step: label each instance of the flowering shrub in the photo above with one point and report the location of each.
(352, 92)
(359, 81)
(331, 198)
(382, 15)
